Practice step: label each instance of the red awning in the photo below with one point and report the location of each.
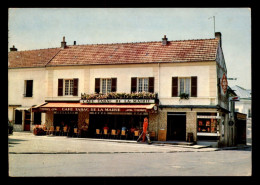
(79, 107)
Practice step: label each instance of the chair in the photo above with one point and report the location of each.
(105, 133)
(51, 130)
(123, 133)
(98, 133)
(45, 129)
(65, 130)
(76, 131)
(136, 134)
(113, 133)
(152, 135)
(57, 130)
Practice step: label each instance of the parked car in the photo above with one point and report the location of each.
(10, 127)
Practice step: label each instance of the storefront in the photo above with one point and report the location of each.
(114, 115)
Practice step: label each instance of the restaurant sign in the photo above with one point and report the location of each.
(134, 101)
(81, 109)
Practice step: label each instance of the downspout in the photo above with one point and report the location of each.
(158, 117)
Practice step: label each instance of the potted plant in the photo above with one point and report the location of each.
(184, 96)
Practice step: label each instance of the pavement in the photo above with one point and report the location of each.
(27, 143)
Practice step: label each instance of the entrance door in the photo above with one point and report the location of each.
(27, 120)
(176, 126)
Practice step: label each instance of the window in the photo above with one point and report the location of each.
(18, 117)
(28, 88)
(236, 110)
(184, 85)
(68, 87)
(142, 84)
(207, 122)
(106, 86)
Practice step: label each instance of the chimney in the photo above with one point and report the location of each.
(13, 49)
(63, 43)
(74, 43)
(218, 36)
(164, 40)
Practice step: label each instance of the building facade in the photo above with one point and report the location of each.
(181, 86)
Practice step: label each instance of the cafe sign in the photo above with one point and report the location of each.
(81, 109)
(132, 101)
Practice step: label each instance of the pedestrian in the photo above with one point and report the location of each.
(145, 132)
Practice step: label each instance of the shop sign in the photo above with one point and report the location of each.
(65, 112)
(208, 117)
(75, 109)
(224, 83)
(135, 101)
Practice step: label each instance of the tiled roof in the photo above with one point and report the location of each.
(31, 58)
(128, 53)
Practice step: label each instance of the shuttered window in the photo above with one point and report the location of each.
(114, 85)
(60, 87)
(174, 86)
(97, 85)
(194, 86)
(68, 87)
(133, 84)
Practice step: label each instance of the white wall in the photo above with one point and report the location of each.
(16, 82)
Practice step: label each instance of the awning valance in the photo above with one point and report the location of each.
(79, 107)
(23, 108)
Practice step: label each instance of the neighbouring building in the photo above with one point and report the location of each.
(181, 86)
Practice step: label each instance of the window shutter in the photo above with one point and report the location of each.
(75, 86)
(193, 86)
(113, 85)
(97, 85)
(219, 87)
(60, 87)
(29, 88)
(151, 85)
(133, 84)
(174, 86)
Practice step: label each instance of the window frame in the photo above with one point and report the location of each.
(184, 86)
(106, 86)
(70, 88)
(143, 84)
(26, 89)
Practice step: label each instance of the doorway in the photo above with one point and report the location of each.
(27, 120)
(176, 126)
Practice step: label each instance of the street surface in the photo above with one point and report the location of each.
(31, 155)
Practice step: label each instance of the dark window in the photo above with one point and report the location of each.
(37, 118)
(28, 88)
(18, 117)
(249, 113)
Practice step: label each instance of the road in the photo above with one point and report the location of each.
(31, 155)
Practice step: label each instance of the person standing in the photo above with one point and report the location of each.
(145, 132)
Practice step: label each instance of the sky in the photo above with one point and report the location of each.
(40, 28)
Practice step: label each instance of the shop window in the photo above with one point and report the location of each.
(207, 123)
(37, 118)
(28, 88)
(18, 117)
